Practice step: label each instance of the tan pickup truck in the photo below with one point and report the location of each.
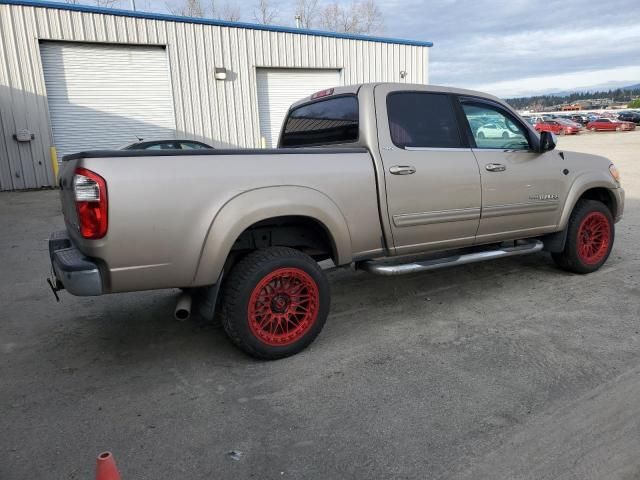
(389, 178)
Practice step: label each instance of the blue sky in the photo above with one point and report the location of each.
(508, 48)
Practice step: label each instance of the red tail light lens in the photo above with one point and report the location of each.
(90, 192)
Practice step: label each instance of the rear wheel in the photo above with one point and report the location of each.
(275, 302)
(480, 135)
(589, 238)
(505, 135)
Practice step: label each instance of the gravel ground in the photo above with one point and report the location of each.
(504, 370)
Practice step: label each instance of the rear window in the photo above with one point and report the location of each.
(419, 119)
(334, 120)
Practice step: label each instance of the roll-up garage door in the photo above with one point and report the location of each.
(103, 96)
(278, 88)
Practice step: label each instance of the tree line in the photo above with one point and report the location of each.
(358, 17)
(544, 101)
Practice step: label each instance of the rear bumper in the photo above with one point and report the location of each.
(78, 274)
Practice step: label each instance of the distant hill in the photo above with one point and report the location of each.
(624, 93)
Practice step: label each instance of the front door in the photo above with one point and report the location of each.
(522, 191)
(432, 178)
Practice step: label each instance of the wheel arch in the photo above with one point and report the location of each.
(255, 207)
(596, 189)
(593, 187)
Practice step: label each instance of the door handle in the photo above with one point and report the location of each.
(495, 167)
(402, 170)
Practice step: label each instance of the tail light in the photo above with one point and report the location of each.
(90, 192)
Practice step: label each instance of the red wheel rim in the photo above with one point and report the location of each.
(594, 237)
(283, 306)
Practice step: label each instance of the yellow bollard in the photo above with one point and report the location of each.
(54, 162)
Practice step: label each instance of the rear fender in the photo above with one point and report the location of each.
(253, 206)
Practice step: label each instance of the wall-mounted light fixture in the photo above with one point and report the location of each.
(220, 73)
(403, 74)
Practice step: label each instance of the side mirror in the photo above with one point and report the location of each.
(547, 141)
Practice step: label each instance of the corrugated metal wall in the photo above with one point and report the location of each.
(224, 113)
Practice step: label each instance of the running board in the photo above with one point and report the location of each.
(386, 268)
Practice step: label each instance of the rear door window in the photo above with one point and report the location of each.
(326, 122)
(422, 120)
(162, 146)
(192, 146)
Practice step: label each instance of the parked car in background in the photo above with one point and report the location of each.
(570, 123)
(538, 118)
(606, 124)
(581, 119)
(494, 130)
(630, 117)
(555, 126)
(166, 145)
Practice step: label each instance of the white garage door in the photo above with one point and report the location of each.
(278, 88)
(103, 96)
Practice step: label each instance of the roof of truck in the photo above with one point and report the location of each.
(355, 88)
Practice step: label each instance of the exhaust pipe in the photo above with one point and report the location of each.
(183, 306)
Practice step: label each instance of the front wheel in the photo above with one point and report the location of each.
(275, 302)
(589, 238)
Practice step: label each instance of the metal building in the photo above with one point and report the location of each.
(74, 77)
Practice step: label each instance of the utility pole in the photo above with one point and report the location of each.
(298, 20)
(133, 5)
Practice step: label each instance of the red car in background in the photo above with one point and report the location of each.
(611, 125)
(556, 127)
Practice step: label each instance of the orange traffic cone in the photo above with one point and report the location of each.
(106, 467)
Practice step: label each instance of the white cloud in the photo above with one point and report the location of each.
(563, 81)
(511, 48)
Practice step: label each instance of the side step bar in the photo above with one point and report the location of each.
(387, 268)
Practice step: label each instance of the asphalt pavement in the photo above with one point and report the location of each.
(505, 370)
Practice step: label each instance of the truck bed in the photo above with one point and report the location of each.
(163, 205)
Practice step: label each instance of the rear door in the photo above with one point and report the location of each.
(522, 190)
(431, 175)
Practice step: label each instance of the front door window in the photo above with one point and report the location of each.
(493, 129)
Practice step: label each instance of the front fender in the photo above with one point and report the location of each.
(250, 207)
(587, 181)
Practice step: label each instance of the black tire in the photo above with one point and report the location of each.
(240, 315)
(580, 238)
